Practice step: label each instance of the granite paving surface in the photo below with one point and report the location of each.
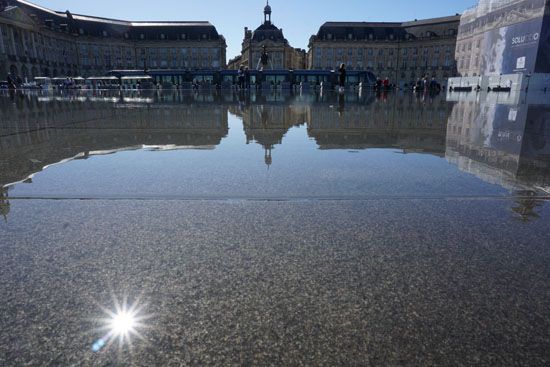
(306, 282)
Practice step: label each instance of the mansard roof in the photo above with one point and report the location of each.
(268, 31)
(98, 26)
(359, 30)
(385, 30)
(433, 21)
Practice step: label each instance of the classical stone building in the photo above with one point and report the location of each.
(267, 36)
(35, 41)
(503, 37)
(401, 52)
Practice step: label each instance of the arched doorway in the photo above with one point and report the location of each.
(46, 72)
(13, 70)
(34, 72)
(54, 73)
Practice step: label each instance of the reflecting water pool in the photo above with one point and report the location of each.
(271, 228)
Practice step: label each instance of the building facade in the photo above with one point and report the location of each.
(35, 41)
(504, 37)
(401, 52)
(270, 38)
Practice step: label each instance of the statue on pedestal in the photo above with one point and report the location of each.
(265, 59)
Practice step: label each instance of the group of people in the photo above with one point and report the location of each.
(383, 84)
(421, 85)
(68, 83)
(243, 77)
(426, 85)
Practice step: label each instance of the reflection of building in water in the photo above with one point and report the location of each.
(504, 144)
(402, 122)
(267, 124)
(348, 122)
(36, 134)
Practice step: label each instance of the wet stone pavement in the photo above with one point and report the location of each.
(274, 230)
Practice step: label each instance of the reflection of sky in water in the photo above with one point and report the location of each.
(342, 147)
(299, 169)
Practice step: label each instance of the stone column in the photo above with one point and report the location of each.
(34, 54)
(2, 47)
(12, 40)
(78, 60)
(26, 51)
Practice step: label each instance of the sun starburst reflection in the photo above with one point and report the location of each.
(123, 324)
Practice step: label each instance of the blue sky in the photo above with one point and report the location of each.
(299, 19)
